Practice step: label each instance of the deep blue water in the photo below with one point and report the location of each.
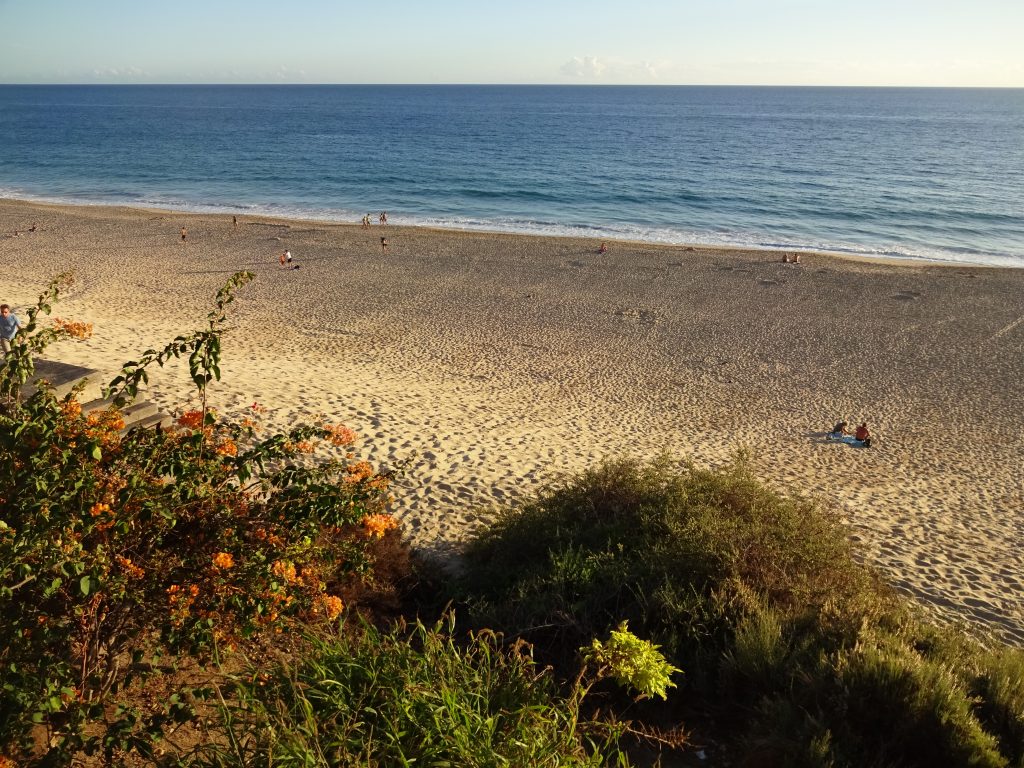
(934, 173)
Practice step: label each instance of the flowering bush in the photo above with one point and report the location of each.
(119, 548)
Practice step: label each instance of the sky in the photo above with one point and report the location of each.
(719, 42)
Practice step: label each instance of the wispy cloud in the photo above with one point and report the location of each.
(285, 73)
(118, 73)
(585, 67)
(610, 69)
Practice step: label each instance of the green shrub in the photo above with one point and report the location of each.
(999, 687)
(798, 654)
(391, 699)
(684, 556)
(916, 710)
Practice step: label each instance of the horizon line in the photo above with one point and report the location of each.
(523, 85)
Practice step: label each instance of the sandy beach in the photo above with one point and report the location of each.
(497, 363)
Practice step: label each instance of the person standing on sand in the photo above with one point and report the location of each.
(288, 257)
(383, 217)
(383, 245)
(184, 234)
(234, 222)
(9, 327)
(281, 259)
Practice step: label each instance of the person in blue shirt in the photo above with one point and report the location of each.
(9, 326)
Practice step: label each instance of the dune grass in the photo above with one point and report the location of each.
(399, 698)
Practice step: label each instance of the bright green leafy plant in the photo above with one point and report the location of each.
(631, 662)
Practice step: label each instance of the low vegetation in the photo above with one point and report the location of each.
(793, 654)
(209, 595)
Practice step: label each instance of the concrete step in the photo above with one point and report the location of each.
(95, 405)
(141, 413)
(63, 377)
(151, 421)
(132, 414)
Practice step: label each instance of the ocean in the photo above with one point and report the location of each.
(898, 172)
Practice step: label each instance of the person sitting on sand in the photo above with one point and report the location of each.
(862, 435)
(839, 431)
(603, 248)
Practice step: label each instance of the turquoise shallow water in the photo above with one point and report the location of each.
(928, 173)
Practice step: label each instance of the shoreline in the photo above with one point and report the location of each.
(498, 362)
(271, 217)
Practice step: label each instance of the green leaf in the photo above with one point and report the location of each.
(84, 584)
(96, 453)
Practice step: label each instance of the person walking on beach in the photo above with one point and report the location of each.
(383, 217)
(184, 234)
(9, 326)
(234, 222)
(383, 245)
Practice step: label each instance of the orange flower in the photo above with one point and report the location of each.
(105, 426)
(332, 606)
(378, 524)
(132, 571)
(339, 434)
(191, 419)
(360, 470)
(72, 329)
(71, 409)
(223, 560)
(228, 448)
(286, 571)
(98, 509)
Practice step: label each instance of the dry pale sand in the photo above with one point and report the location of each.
(500, 362)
